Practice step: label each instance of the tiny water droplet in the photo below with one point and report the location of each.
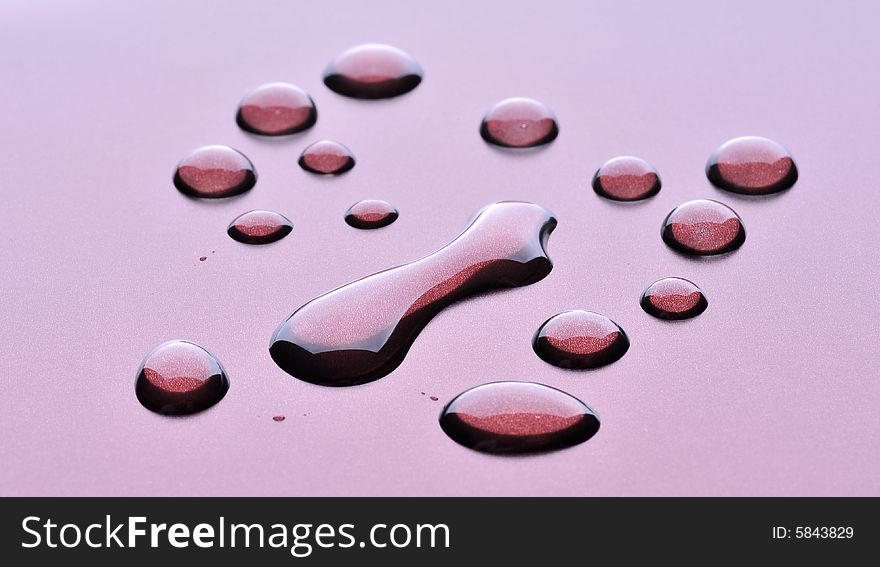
(278, 418)
(434, 398)
(752, 165)
(673, 299)
(626, 178)
(327, 157)
(203, 258)
(259, 227)
(580, 339)
(213, 172)
(180, 377)
(373, 71)
(371, 213)
(517, 417)
(703, 228)
(519, 123)
(276, 109)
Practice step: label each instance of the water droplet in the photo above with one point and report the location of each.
(203, 258)
(213, 172)
(180, 377)
(259, 227)
(434, 398)
(626, 179)
(752, 166)
(276, 109)
(519, 123)
(362, 331)
(371, 214)
(327, 157)
(580, 339)
(517, 417)
(703, 227)
(279, 418)
(373, 71)
(673, 299)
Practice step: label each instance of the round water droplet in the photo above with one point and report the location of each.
(517, 417)
(580, 339)
(327, 157)
(276, 109)
(673, 299)
(259, 227)
(626, 179)
(213, 172)
(519, 123)
(371, 213)
(278, 418)
(180, 377)
(752, 166)
(704, 228)
(373, 71)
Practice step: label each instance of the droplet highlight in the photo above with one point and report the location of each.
(179, 378)
(626, 178)
(373, 71)
(517, 417)
(259, 227)
(362, 331)
(519, 123)
(703, 228)
(371, 213)
(579, 340)
(327, 158)
(213, 172)
(752, 165)
(673, 299)
(276, 109)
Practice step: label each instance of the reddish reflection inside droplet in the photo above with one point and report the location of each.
(373, 71)
(703, 227)
(752, 165)
(371, 213)
(673, 298)
(517, 417)
(327, 157)
(179, 377)
(278, 418)
(276, 109)
(213, 172)
(259, 227)
(580, 339)
(519, 123)
(626, 179)
(362, 331)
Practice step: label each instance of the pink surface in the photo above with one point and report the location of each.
(772, 391)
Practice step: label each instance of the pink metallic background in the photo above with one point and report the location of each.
(772, 391)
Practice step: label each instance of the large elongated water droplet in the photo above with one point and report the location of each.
(214, 172)
(259, 227)
(580, 339)
(276, 109)
(673, 299)
(703, 228)
(373, 71)
(361, 331)
(752, 166)
(180, 377)
(517, 417)
(519, 123)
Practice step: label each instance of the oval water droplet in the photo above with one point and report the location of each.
(519, 123)
(278, 418)
(213, 172)
(180, 377)
(373, 71)
(371, 213)
(327, 158)
(580, 339)
(517, 417)
(259, 227)
(362, 331)
(752, 165)
(703, 228)
(276, 109)
(626, 178)
(673, 299)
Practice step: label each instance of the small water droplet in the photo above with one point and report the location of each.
(580, 339)
(203, 258)
(703, 228)
(626, 178)
(327, 157)
(673, 299)
(213, 172)
(519, 123)
(278, 418)
(276, 109)
(371, 213)
(517, 417)
(373, 71)
(362, 331)
(434, 398)
(259, 227)
(180, 377)
(752, 166)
